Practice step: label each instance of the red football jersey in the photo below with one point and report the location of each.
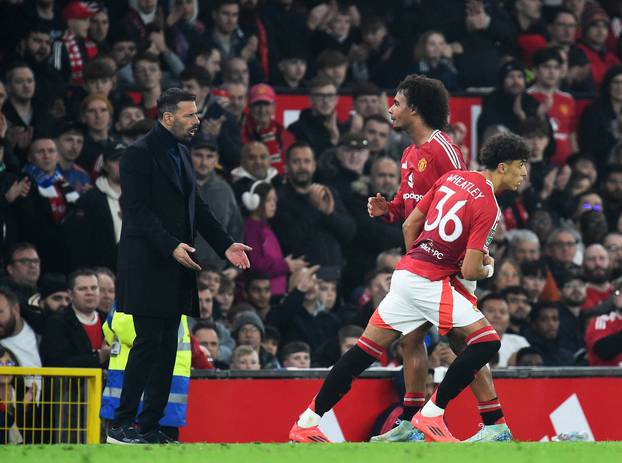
(563, 119)
(421, 167)
(600, 327)
(461, 213)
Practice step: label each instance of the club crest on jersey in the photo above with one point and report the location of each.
(423, 163)
(411, 182)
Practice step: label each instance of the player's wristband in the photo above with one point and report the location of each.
(490, 270)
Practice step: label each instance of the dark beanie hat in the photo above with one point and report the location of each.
(51, 283)
(247, 318)
(506, 68)
(592, 14)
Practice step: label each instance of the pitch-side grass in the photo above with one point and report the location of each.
(554, 452)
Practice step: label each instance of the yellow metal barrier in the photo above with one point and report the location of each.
(50, 405)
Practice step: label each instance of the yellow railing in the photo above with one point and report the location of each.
(50, 405)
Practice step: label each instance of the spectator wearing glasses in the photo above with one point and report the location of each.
(562, 246)
(248, 330)
(562, 33)
(587, 201)
(613, 245)
(23, 269)
(318, 125)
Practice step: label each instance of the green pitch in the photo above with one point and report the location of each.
(554, 452)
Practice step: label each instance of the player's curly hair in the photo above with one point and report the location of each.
(503, 147)
(429, 97)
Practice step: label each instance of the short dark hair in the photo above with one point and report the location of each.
(534, 127)
(37, 27)
(81, 272)
(105, 271)
(197, 73)
(254, 276)
(125, 105)
(543, 55)
(145, 56)
(297, 145)
(202, 287)
(505, 292)
(98, 69)
(429, 96)
(331, 59)
(205, 325)
(9, 295)
(536, 268)
(21, 246)
(200, 48)
(525, 351)
(272, 332)
(320, 81)
(503, 147)
(16, 65)
(376, 118)
(220, 3)
(169, 99)
(365, 88)
(490, 297)
(536, 309)
(293, 348)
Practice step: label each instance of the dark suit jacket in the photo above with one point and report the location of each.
(159, 213)
(64, 342)
(90, 232)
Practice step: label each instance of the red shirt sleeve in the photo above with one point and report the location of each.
(598, 328)
(483, 225)
(396, 206)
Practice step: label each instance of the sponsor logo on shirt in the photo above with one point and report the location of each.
(412, 196)
(411, 182)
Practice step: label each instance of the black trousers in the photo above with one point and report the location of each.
(149, 372)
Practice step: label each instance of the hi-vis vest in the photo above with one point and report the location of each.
(120, 334)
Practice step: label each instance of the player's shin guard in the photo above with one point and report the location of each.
(339, 379)
(481, 348)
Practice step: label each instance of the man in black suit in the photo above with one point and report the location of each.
(162, 212)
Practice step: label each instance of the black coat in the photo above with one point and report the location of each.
(295, 323)
(303, 230)
(90, 232)
(64, 342)
(158, 214)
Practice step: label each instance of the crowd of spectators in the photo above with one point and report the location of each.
(80, 82)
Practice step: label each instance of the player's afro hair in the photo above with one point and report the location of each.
(503, 147)
(429, 97)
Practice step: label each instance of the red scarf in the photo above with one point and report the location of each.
(76, 60)
(262, 49)
(270, 136)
